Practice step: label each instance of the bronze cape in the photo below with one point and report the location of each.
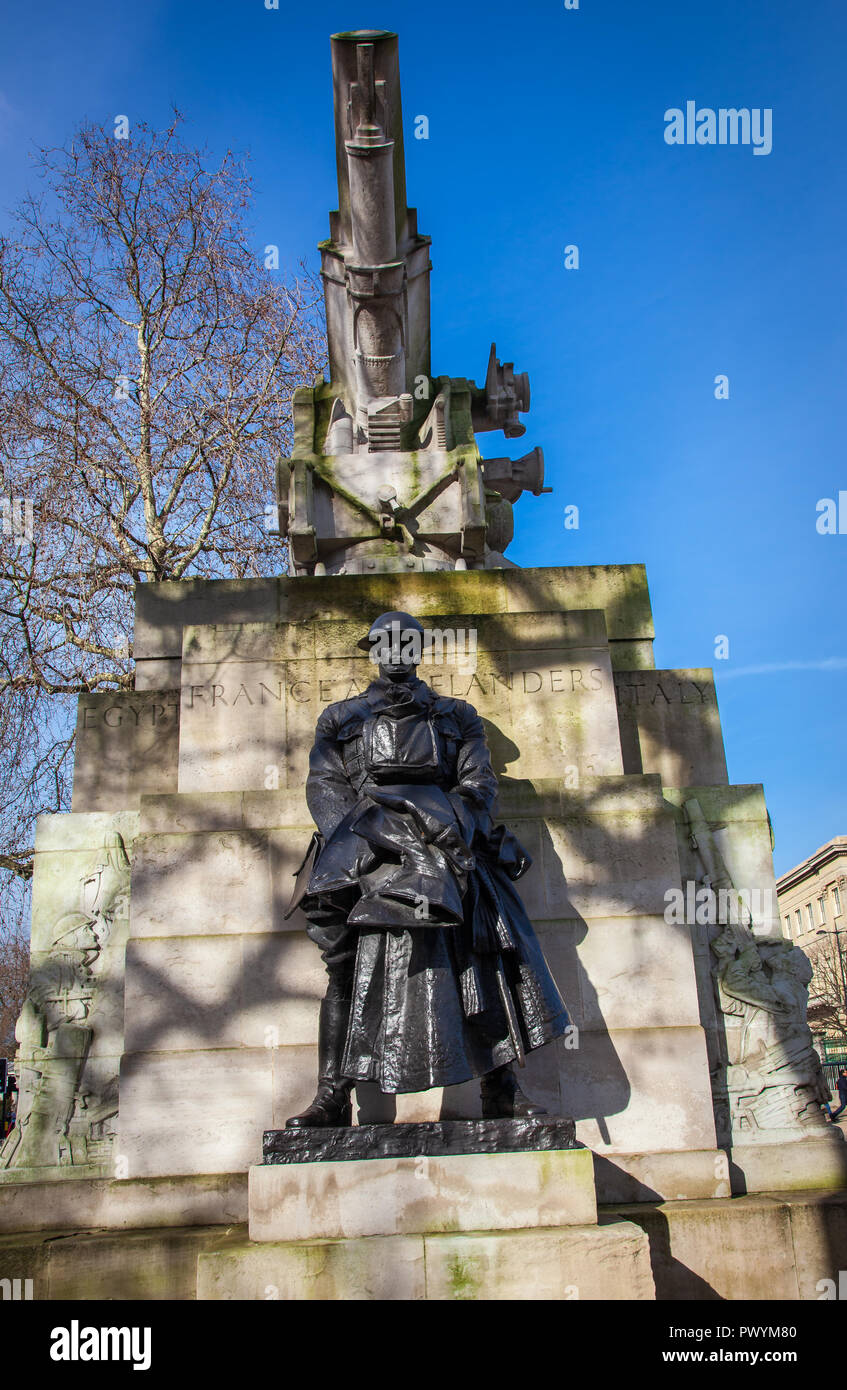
(409, 894)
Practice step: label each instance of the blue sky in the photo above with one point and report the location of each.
(546, 129)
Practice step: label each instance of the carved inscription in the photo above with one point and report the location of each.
(642, 688)
(252, 693)
(125, 714)
(564, 680)
(558, 680)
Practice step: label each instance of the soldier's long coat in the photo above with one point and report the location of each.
(449, 978)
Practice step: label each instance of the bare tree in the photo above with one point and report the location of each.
(14, 979)
(827, 1004)
(147, 363)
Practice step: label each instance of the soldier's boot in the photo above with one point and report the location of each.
(332, 1105)
(503, 1099)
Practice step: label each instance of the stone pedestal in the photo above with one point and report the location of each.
(443, 1177)
(444, 1213)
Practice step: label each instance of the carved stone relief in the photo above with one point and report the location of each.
(68, 1085)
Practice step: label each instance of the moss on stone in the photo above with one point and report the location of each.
(463, 1277)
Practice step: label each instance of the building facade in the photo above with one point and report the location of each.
(812, 900)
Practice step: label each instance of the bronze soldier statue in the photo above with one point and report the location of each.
(435, 972)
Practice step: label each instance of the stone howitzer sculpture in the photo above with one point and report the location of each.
(386, 473)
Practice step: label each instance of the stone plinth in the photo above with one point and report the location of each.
(421, 1195)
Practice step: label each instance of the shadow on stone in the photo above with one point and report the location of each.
(673, 1279)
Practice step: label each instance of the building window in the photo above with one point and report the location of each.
(822, 908)
(799, 920)
(787, 920)
(810, 917)
(836, 901)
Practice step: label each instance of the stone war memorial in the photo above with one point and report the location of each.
(667, 1140)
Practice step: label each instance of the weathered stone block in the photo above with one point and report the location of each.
(155, 1265)
(79, 1203)
(670, 724)
(183, 993)
(209, 884)
(640, 1090)
(791, 1165)
(669, 1176)
(190, 993)
(405, 1196)
(127, 744)
(738, 1249)
(163, 673)
(194, 1112)
(24, 1257)
(643, 972)
(575, 1262)
(282, 983)
(99, 1266)
(235, 729)
(589, 864)
(388, 1269)
(163, 610)
(819, 1237)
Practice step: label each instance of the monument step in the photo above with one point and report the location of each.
(609, 1262)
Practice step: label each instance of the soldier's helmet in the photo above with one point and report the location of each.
(394, 638)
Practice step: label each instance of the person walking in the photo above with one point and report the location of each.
(841, 1087)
